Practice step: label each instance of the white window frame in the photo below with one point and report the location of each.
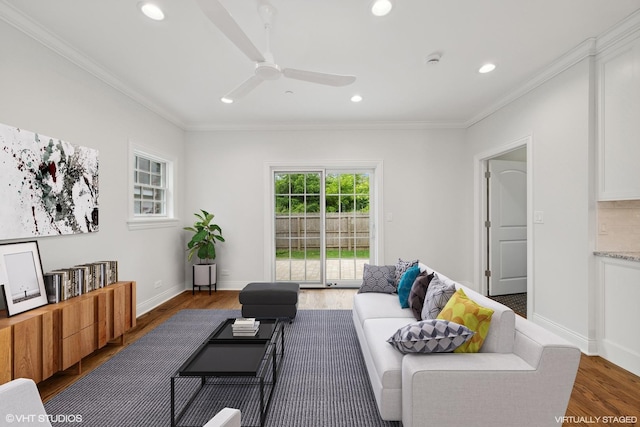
(376, 203)
(372, 216)
(322, 279)
(143, 221)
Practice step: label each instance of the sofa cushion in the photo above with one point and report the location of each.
(404, 287)
(401, 267)
(501, 335)
(438, 295)
(430, 336)
(379, 306)
(418, 292)
(378, 278)
(386, 359)
(464, 311)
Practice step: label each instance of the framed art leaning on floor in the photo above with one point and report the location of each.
(21, 277)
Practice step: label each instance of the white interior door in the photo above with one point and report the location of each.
(508, 227)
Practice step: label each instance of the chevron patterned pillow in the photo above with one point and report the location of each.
(430, 336)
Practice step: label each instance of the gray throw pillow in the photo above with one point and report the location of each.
(378, 279)
(438, 294)
(430, 336)
(401, 267)
(418, 293)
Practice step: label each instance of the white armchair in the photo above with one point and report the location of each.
(20, 404)
(227, 417)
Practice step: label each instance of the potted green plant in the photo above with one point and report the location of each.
(203, 246)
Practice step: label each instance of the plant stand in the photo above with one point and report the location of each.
(204, 275)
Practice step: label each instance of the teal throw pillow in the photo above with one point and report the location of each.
(404, 286)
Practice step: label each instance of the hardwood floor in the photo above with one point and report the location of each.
(602, 389)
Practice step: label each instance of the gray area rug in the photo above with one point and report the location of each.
(516, 302)
(323, 379)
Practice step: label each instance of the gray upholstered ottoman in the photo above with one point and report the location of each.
(270, 300)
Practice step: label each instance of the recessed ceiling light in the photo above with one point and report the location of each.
(356, 98)
(381, 7)
(226, 100)
(151, 11)
(487, 68)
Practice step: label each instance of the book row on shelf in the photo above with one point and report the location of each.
(65, 283)
(245, 327)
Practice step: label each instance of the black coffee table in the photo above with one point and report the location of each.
(223, 355)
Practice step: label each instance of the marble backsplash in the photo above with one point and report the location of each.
(619, 226)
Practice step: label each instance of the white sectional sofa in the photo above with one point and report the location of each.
(522, 376)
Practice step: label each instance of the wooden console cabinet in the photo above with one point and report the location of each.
(55, 337)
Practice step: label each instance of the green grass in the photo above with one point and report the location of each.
(315, 254)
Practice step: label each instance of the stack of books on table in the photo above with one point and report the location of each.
(245, 327)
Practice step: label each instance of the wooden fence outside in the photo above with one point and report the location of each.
(341, 231)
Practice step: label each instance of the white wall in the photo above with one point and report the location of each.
(422, 189)
(559, 118)
(42, 92)
(428, 182)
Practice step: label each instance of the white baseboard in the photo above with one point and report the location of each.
(163, 297)
(233, 285)
(150, 304)
(586, 345)
(621, 356)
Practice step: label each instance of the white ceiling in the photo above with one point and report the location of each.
(180, 67)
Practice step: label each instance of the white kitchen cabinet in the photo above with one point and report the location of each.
(619, 122)
(618, 296)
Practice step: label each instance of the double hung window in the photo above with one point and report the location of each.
(152, 194)
(150, 186)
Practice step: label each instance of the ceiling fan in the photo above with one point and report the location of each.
(266, 68)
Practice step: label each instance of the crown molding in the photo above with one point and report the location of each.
(566, 61)
(31, 28)
(620, 33)
(330, 125)
(28, 26)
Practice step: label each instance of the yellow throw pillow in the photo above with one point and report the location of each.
(464, 311)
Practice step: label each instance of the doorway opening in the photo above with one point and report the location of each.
(504, 231)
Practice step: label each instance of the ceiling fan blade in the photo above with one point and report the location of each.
(245, 87)
(230, 28)
(320, 78)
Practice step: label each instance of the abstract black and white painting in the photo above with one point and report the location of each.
(47, 186)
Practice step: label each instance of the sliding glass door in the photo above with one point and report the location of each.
(298, 225)
(347, 226)
(322, 226)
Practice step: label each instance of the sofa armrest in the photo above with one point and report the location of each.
(488, 389)
(227, 417)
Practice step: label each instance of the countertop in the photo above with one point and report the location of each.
(629, 256)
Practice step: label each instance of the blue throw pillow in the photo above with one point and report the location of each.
(404, 286)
